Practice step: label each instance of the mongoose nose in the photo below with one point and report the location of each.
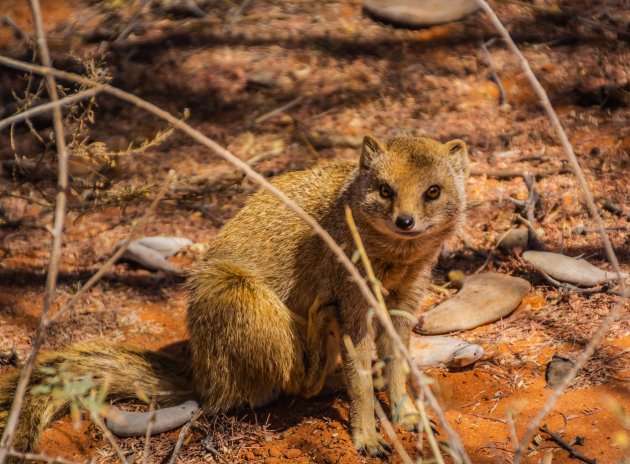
(404, 222)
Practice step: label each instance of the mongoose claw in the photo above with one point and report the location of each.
(373, 446)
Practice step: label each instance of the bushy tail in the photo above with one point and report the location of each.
(127, 370)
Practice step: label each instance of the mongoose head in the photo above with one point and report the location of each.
(412, 186)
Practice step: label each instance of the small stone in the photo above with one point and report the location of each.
(483, 298)
(420, 13)
(513, 240)
(443, 351)
(571, 270)
(275, 453)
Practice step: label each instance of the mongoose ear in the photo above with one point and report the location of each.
(457, 151)
(370, 150)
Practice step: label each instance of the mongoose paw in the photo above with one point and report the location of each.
(371, 445)
(407, 417)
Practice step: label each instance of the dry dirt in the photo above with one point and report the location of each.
(350, 76)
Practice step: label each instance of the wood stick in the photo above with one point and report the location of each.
(182, 435)
(588, 196)
(57, 234)
(39, 457)
(573, 453)
(493, 73)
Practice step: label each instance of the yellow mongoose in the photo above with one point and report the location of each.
(268, 302)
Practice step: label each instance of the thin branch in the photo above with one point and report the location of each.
(387, 425)
(57, 235)
(573, 453)
(39, 457)
(119, 252)
(493, 73)
(382, 309)
(19, 117)
(147, 436)
(182, 435)
(510, 173)
(568, 149)
(279, 110)
(262, 182)
(106, 432)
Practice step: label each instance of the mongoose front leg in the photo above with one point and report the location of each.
(396, 373)
(359, 386)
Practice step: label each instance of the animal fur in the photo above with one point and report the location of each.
(267, 304)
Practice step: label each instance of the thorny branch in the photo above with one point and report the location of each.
(454, 439)
(588, 196)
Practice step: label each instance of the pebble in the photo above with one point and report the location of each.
(571, 270)
(483, 298)
(443, 351)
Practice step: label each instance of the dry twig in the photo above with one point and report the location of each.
(573, 453)
(493, 73)
(147, 436)
(566, 285)
(109, 436)
(279, 110)
(26, 114)
(382, 309)
(119, 252)
(182, 435)
(57, 233)
(39, 457)
(510, 173)
(575, 166)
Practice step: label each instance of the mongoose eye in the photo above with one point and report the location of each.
(386, 191)
(432, 193)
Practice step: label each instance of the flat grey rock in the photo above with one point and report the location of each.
(151, 252)
(443, 351)
(483, 298)
(566, 269)
(166, 246)
(420, 13)
(135, 424)
(514, 239)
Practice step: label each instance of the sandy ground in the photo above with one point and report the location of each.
(343, 75)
